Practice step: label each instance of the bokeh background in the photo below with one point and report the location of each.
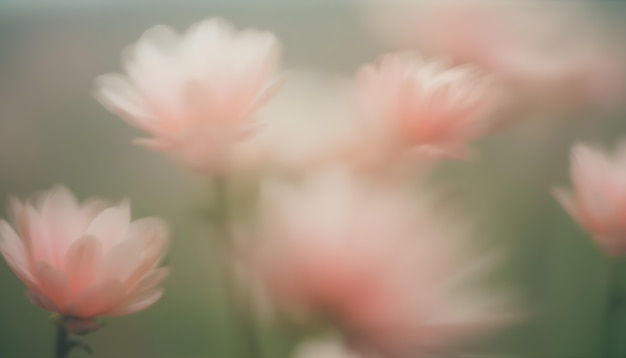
(53, 131)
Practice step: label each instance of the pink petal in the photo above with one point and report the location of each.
(36, 241)
(97, 300)
(151, 280)
(14, 252)
(136, 303)
(82, 261)
(59, 214)
(154, 234)
(111, 225)
(52, 284)
(122, 260)
(41, 301)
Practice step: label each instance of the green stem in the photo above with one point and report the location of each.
(63, 344)
(241, 303)
(613, 305)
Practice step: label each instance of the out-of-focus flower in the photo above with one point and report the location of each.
(599, 197)
(390, 277)
(424, 107)
(552, 54)
(197, 95)
(84, 260)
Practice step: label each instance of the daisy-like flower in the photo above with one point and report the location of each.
(599, 197)
(389, 278)
(84, 260)
(425, 107)
(196, 94)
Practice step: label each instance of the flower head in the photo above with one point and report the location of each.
(390, 279)
(599, 198)
(425, 106)
(197, 94)
(84, 260)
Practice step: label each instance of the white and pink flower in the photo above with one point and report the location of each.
(426, 107)
(84, 260)
(195, 94)
(392, 278)
(598, 201)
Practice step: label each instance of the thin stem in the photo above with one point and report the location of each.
(614, 302)
(63, 344)
(242, 305)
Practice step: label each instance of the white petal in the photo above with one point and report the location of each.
(118, 95)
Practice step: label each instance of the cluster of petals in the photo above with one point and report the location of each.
(195, 94)
(390, 276)
(598, 199)
(423, 106)
(84, 260)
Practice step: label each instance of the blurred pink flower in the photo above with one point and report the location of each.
(552, 54)
(196, 94)
(84, 260)
(599, 198)
(392, 280)
(426, 107)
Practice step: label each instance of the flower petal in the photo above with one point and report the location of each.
(97, 299)
(111, 225)
(14, 252)
(82, 261)
(136, 304)
(52, 284)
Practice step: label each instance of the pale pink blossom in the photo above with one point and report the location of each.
(598, 202)
(195, 94)
(84, 260)
(392, 277)
(554, 55)
(425, 106)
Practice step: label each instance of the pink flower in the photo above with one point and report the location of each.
(552, 55)
(196, 94)
(388, 276)
(84, 260)
(598, 202)
(425, 106)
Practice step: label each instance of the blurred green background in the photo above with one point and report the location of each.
(52, 131)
